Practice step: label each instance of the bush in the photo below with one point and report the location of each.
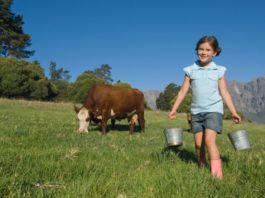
(22, 79)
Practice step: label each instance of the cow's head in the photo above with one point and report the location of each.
(83, 117)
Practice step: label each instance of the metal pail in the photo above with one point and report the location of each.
(173, 136)
(239, 139)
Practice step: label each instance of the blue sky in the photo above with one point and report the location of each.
(146, 42)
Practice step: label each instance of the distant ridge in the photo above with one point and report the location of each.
(248, 97)
(150, 97)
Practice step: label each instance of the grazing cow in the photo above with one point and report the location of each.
(106, 101)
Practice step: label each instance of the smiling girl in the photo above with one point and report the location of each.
(207, 82)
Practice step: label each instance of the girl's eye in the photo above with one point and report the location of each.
(207, 49)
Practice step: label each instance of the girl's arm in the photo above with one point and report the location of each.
(228, 100)
(181, 95)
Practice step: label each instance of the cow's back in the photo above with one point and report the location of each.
(121, 100)
(125, 99)
(95, 93)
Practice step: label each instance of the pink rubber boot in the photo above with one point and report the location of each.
(216, 169)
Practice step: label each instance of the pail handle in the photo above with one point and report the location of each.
(235, 126)
(185, 127)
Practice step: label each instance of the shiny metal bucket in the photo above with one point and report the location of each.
(173, 136)
(239, 139)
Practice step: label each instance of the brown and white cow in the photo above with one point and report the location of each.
(106, 101)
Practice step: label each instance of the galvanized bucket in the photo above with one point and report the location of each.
(239, 139)
(173, 136)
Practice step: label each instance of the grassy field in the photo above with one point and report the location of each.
(41, 155)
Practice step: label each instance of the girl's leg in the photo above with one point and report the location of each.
(210, 141)
(216, 164)
(200, 148)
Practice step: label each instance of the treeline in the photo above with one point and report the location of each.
(27, 80)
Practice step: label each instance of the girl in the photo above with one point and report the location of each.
(208, 86)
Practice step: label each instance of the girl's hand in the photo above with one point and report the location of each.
(236, 118)
(172, 114)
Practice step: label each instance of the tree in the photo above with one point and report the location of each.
(63, 90)
(82, 85)
(103, 72)
(22, 79)
(59, 81)
(167, 98)
(163, 102)
(58, 74)
(13, 41)
(185, 105)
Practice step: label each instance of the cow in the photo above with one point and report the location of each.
(107, 101)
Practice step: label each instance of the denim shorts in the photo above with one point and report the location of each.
(207, 120)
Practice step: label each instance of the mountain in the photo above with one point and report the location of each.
(150, 97)
(249, 98)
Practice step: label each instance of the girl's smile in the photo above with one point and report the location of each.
(205, 53)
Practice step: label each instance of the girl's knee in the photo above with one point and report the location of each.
(198, 145)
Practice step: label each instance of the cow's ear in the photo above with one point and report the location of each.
(76, 109)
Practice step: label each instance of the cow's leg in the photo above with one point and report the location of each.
(104, 126)
(141, 121)
(105, 117)
(133, 119)
(131, 125)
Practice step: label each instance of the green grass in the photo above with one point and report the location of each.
(41, 155)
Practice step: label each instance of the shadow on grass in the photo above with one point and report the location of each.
(183, 154)
(225, 159)
(125, 128)
(118, 127)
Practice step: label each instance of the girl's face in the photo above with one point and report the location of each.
(205, 53)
